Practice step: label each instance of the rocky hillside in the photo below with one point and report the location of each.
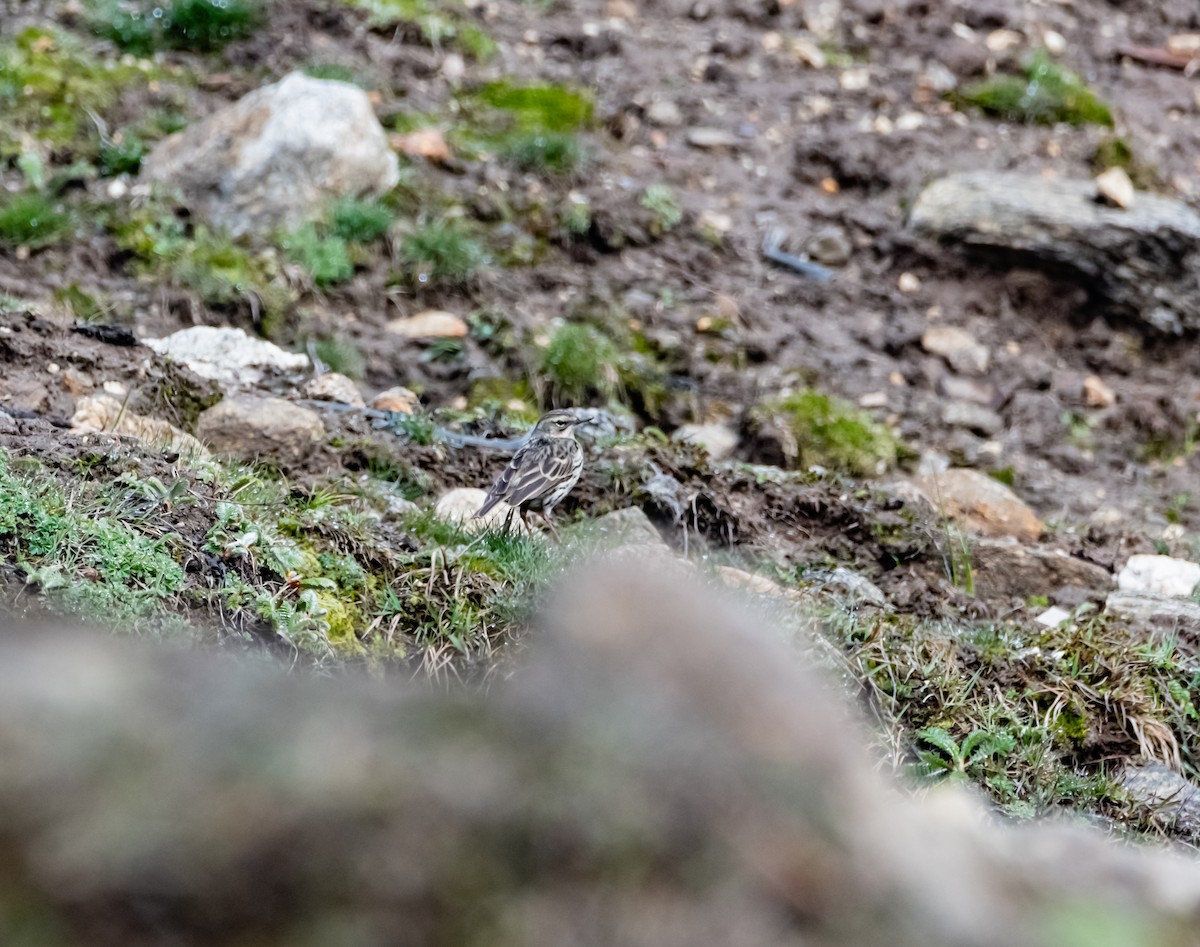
(881, 313)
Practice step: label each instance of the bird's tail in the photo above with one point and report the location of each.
(487, 505)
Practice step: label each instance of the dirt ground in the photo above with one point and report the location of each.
(839, 150)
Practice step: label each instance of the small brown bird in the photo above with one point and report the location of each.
(542, 472)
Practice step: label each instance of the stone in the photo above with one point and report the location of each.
(334, 387)
(979, 503)
(1163, 576)
(958, 347)
(1143, 261)
(1114, 188)
(720, 440)
(1154, 617)
(229, 355)
(251, 427)
(664, 113)
(627, 527)
(431, 324)
(1096, 394)
(829, 246)
(742, 581)
(1007, 569)
(275, 158)
(427, 143)
(397, 399)
(1174, 800)
(710, 139)
(962, 388)
(462, 503)
(104, 413)
(8, 424)
(974, 417)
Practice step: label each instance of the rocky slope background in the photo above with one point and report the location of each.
(883, 315)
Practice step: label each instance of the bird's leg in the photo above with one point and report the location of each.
(553, 529)
(508, 520)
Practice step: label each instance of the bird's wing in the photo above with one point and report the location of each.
(500, 488)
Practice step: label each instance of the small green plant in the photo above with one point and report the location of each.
(121, 155)
(1044, 94)
(325, 257)
(544, 152)
(437, 24)
(946, 758)
(540, 107)
(580, 362)
(202, 26)
(359, 221)
(33, 220)
(664, 207)
(341, 355)
(575, 215)
(443, 252)
(815, 429)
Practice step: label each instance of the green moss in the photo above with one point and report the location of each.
(325, 257)
(1044, 94)
(359, 221)
(816, 429)
(204, 26)
(121, 155)
(50, 83)
(547, 108)
(437, 23)
(443, 252)
(33, 220)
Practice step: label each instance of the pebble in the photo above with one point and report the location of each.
(334, 387)
(711, 138)
(958, 347)
(397, 399)
(974, 417)
(1115, 188)
(431, 324)
(1096, 394)
(830, 246)
(908, 283)
(664, 113)
(1163, 576)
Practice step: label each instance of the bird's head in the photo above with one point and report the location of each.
(557, 424)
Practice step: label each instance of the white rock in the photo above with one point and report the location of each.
(228, 355)
(720, 440)
(334, 387)
(1053, 616)
(1159, 575)
(276, 157)
(1115, 187)
(664, 113)
(461, 504)
(958, 347)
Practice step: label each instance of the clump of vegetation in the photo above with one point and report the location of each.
(121, 154)
(436, 24)
(360, 221)
(1031, 714)
(326, 257)
(815, 429)
(1044, 94)
(580, 362)
(540, 107)
(33, 220)
(559, 153)
(50, 85)
(203, 26)
(666, 214)
(341, 355)
(88, 556)
(1114, 151)
(443, 252)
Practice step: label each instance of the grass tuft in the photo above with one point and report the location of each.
(544, 152)
(443, 252)
(359, 221)
(815, 429)
(325, 257)
(202, 26)
(33, 220)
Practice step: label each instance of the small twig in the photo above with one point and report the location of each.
(1156, 56)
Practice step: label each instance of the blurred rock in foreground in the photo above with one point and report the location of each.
(661, 773)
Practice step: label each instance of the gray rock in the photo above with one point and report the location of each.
(1163, 576)
(1007, 569)
(1175, 800)
(973, 417)
(664, 113)
(277, 156)
(1154, 617)
(1145, 260)
(720, 440)
(710, 139)
(829, 246)
(627, 527)
(229, 355)
(252, 427)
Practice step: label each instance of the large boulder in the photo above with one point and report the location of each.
(1143, 260)
(277, 156)
(251, 427)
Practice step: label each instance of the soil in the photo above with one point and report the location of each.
(813, 151)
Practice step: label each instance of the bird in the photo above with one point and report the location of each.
(542, 472)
